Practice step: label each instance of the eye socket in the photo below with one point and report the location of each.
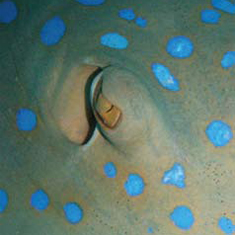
(107, 114)
(80, 105)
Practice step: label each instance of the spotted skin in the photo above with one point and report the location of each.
(158, 127)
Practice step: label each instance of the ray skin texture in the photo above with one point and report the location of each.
(112, 125)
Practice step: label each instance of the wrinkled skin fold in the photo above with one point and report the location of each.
(157, 127)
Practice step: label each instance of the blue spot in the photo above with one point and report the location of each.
(110, 170)
(150, 230)
(114, 40)
(134, 185)
(8, 12)
(224, 5)
(175, 176)
(210, 16)
(140, 21)
(219, 133)
(26, 119)
(127, 14)
(52, 31)
(226, 225)
(73, 212)
(164, 77)
(180, 47)
(91, 2)
(182, 217)
(40, 200)
(3, 200)
(228, 59)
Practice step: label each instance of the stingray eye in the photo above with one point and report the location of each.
(107, 114)
(80, 105)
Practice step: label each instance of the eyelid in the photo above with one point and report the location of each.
(107, 114)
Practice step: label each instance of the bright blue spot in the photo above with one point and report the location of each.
(140, 21)
(8, 12)
(52, 31)
(26, 119)
(3, 200)
(91, 2)
(180, 47)
(164, 77)
(114, 40)
(210, 16)
(110, 170)
(127, 14)
(134, 185)
(40, 200)
(224, 5)
(219, 133)
(150, 230)
(73, 212)
(175, 176)
(182, 217)
(228, 59)
(226, 225)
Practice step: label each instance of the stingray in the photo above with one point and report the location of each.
(117, 117)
